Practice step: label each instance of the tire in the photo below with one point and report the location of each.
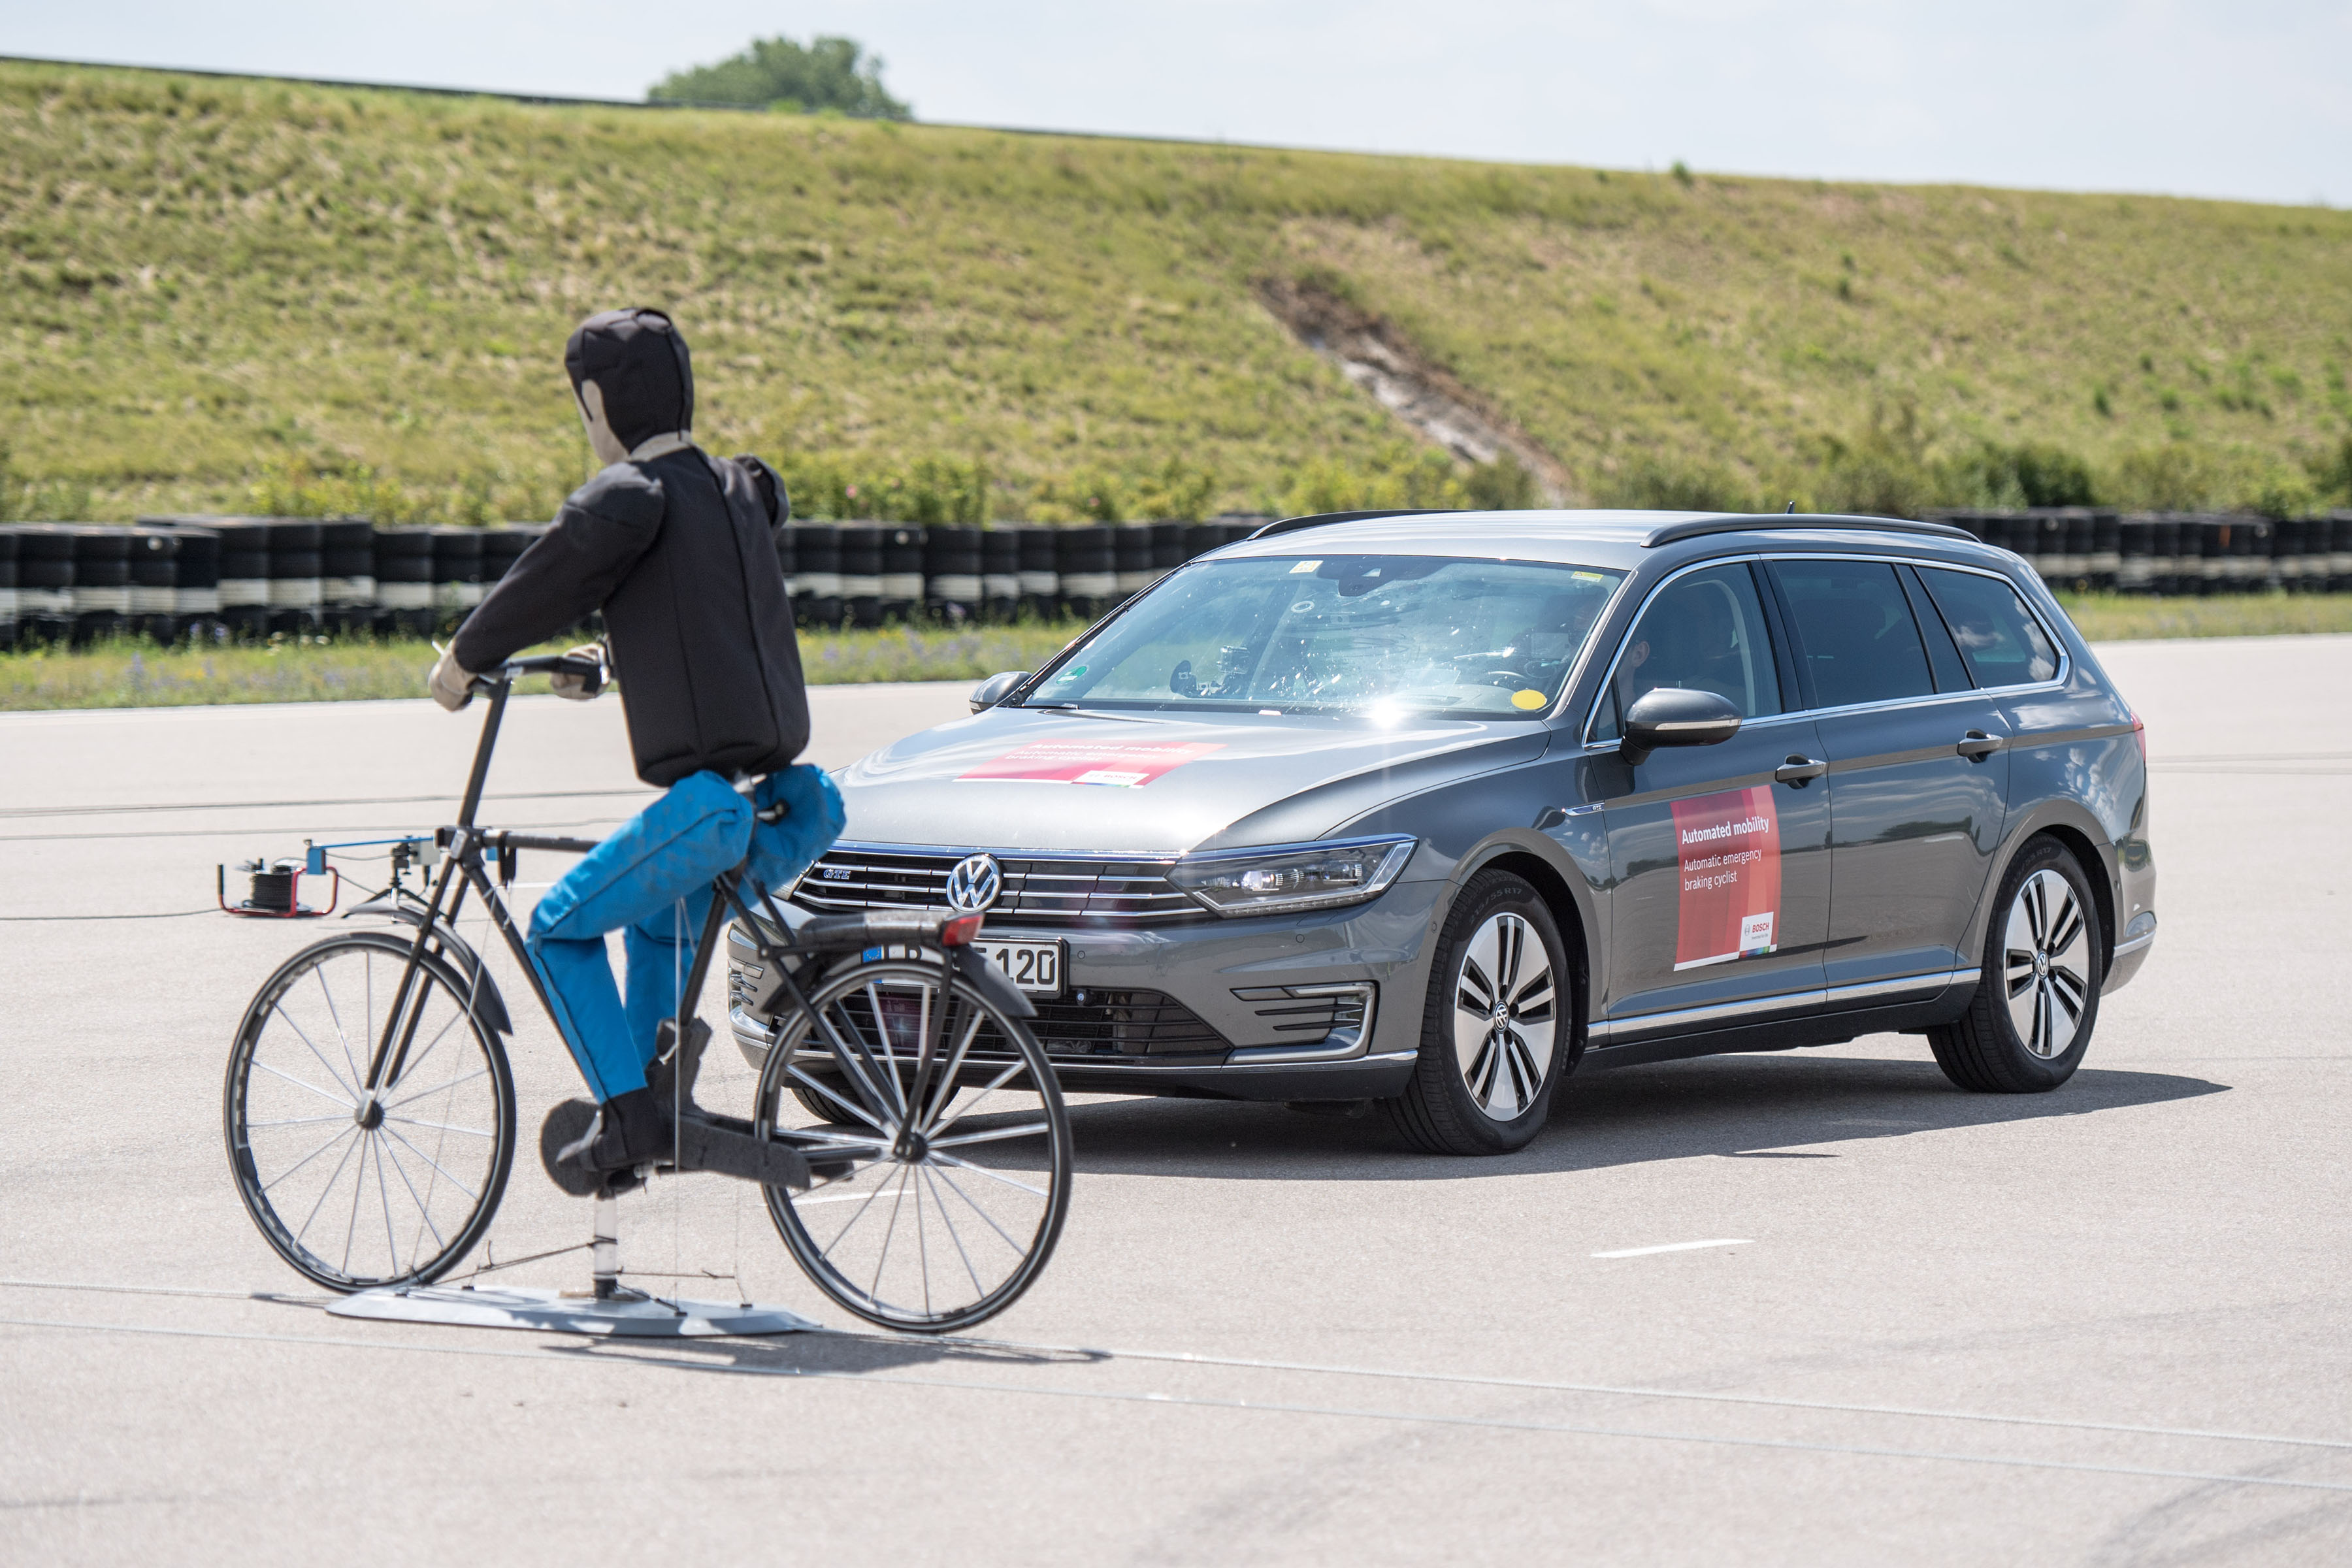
(946, 1232)
(2037, 997)
(1484, 1078)
(434, 1145)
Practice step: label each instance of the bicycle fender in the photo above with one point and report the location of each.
(991, 982)
(491, 1005)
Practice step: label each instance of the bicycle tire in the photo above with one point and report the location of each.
(996, 1242)
(482, 1155)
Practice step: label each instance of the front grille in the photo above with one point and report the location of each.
(1038, 889)
(1125, 1024)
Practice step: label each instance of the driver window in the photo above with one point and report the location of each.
(1705, 631)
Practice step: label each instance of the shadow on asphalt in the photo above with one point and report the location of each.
(1758, 1107)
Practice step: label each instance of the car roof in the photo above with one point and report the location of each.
(1620, 539)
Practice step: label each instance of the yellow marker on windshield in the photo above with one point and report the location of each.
(1531, 698)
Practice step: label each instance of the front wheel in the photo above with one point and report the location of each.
(940, 1203)
(356, 1183)
(2037, 997)
(1495, 1038)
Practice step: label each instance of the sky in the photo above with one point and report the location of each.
(2241, 98)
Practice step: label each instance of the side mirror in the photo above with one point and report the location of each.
(1675, 716)
(996, 689)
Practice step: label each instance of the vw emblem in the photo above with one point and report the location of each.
(974, 883)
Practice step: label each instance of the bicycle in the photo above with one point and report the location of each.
(943, 1129)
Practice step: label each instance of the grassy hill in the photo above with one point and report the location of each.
(247, 293)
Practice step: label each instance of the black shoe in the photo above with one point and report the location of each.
(670, 1076)
(630, 1129)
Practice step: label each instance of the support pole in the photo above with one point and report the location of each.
(605, 1250)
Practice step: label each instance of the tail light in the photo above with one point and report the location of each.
(2139, 736)
(960, 932)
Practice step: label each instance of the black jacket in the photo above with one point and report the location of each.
(677, 550)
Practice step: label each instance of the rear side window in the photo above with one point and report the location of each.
(1705, 631)
(1854, 631)
(2004, 644)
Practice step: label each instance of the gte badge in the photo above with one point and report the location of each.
(1730, 849)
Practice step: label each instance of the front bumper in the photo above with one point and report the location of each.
(1321, 1005)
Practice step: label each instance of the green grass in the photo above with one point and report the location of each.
(134, 674)
(2124, 617)
(247, 294)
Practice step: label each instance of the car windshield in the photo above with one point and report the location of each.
(1343, 634)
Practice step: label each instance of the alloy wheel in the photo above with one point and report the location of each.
(2046, 969)
(1504, 1014)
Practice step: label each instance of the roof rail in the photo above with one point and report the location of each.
(1292, 524)
(1697, 527)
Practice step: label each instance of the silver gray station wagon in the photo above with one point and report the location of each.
(1432, 810)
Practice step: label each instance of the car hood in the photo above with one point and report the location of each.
(1157, 784)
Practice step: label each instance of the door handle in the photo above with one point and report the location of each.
(1978, 746)
(1800, 771)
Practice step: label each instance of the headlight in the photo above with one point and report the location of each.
(1296, 877)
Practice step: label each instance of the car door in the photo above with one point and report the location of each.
(1719, 892)
(1919, 776)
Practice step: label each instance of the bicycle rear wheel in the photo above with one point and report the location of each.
(948, 1227)
(357, 1189)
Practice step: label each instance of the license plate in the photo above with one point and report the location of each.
(1034, 966)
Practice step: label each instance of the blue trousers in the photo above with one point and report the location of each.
(651, 881)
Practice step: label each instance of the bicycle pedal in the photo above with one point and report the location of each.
(708, 1143)
(567, 1123)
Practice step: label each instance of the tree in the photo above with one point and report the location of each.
(777, 73)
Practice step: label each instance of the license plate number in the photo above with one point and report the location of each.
(1034, 966)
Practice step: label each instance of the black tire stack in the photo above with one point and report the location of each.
(902, 574)
(1000, 574)
(1041, 572)
(297, 574)
(347, 574)
(952, 589)
(1085, 558)
(1130, 553)
(243, 575)
(102, 581)
(154, 582)
(45, 575)
(816, 574)
(861, 574)
(404, 581)
(7, 586)
(456, 575)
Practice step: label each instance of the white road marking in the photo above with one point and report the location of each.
(1671, 1247)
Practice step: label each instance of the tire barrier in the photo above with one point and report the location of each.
(154, 582)
(404, 580)
(2172, 554)
(902, 573)
(456, 575)
(7, 586)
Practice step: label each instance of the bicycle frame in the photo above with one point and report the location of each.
(464, 843)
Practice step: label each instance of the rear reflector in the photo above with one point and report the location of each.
(958, 932)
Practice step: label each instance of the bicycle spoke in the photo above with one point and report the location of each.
(314, 1154)
(440, 1126)
(302, 1083)
(423, 1211)
(805, 1080)
(922, 1244)
(942, 1096)
(391, 1241)
(1026, 1130)
(435, 1164)
(986, 1218)
(321, 1199)
(436, 1088)
(314, 1050)
(888, 1232)
(297, 1121)
(994, 1175)
(327, 992)
(949, 1220)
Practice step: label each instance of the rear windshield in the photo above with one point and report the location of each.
(1343, 634)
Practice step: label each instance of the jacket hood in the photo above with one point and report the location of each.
(1012, 778)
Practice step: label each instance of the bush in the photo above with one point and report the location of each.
(777, 73)
(1661, 484)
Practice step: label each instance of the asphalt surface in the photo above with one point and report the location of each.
(2107, 1325)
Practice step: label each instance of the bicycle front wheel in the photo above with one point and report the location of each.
(945, 1226)
(358, 1187)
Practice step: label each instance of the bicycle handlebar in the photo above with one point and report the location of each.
(537, 664)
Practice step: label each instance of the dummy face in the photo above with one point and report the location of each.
(607, 446)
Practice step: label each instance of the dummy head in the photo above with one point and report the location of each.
(631, 375)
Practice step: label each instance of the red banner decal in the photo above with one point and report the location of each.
(1730, 849)
(1107, 763)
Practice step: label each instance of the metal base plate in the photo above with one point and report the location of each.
(552, 1312)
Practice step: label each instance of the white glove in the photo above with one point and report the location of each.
(451, 687)
(579, 687)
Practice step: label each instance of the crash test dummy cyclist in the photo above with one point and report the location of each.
(676, 547)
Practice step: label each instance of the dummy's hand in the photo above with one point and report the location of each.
(579, 687)
(451, 687)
